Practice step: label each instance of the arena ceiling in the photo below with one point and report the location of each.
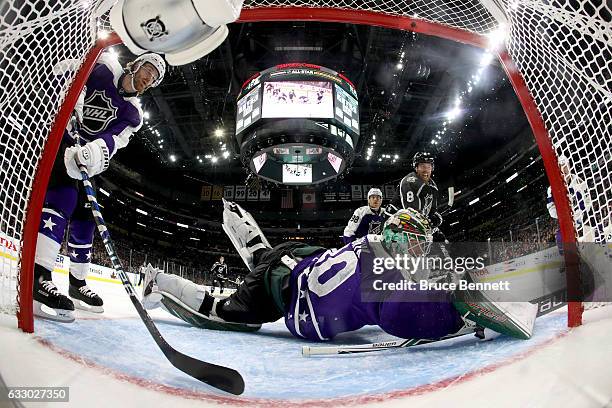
(416, 92)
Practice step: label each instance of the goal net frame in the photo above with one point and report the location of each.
(270, 13)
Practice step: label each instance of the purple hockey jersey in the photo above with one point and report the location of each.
(326, 300)
(107, 114)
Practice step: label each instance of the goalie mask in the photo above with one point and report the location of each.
(407, 232)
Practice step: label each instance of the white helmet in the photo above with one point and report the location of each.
(374, 192)
(154, 59)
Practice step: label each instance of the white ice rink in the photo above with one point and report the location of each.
(110, 360)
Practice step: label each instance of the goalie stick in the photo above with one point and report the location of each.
(308, 351)
(547, 304)
(220, 377)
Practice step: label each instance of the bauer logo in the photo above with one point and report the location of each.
(98, 112)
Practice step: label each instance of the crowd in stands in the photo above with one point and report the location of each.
(524, 240)
(194, 263)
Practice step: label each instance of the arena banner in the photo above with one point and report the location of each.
(330, 194)
(96, 272)
(309, 199)
(252, 194)
(228, 193)
(264, 195)
(344, 193)
(217, 192)
(389, 191)
(240, 193)
(356, 192)
(206, 193)
(365, 188)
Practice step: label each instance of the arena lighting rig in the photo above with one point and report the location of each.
(297, 124)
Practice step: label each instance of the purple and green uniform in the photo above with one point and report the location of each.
(326, 300)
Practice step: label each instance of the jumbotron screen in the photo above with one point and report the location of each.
(297, 99)
(294, 91)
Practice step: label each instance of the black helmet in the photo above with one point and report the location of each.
(423, 157)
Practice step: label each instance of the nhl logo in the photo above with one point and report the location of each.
(154, 28)
(98, 112)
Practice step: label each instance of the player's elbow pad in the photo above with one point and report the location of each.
(183, 30)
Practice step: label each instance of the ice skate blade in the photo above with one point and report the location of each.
(79, 304)
(58, 315)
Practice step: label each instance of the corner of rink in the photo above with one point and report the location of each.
(560, 367)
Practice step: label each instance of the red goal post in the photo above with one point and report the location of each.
(556, 59)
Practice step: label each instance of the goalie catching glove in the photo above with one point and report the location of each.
(93, 155)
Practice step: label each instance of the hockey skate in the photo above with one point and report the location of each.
(50, 304)
(243, 231)
(86, 299)
(151, 297)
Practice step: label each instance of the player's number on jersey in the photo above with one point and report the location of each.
(330, 272)
(410, 196)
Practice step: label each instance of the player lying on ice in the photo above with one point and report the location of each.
(318, 292)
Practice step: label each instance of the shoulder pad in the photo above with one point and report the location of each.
(113, 66)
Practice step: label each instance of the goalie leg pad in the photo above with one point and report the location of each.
(516, 319)
(179, 309)
(187, 292)
(243, 232)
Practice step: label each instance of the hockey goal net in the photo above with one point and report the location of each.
(557, 55)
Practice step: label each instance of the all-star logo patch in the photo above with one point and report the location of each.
(154, 28)
(98, 112)
(375, 227)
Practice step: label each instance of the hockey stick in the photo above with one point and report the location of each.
(308, 351)
(220, 377)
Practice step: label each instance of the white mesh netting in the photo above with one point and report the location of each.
(562, 49)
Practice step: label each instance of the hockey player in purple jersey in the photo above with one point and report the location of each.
(106, 116)
(368, 219)
(319, 292)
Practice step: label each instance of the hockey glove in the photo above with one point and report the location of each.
(435, 220)
(93, 155)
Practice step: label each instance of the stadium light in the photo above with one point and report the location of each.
(454, 223)
(453, 113)
(486, 59)
(103, 191)
(218, 132)
(512, 177)
(143, 212)
(474, 201)
(172, 158)
(182, 225)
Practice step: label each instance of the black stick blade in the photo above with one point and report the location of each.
(220, 377)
